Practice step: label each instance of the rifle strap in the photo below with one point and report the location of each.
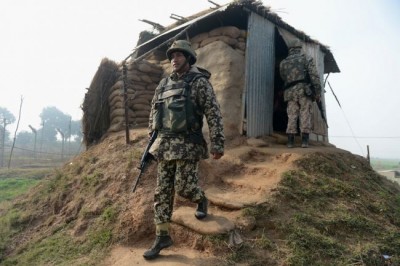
(291, 84)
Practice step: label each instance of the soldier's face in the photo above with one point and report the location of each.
(179, 62)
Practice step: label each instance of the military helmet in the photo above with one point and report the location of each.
(184, 47)
(295, 43)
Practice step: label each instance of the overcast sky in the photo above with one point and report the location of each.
(51, 49)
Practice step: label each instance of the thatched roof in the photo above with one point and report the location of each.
(234, 13)
(96, 119)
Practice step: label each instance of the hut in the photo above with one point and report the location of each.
(393, 175)
(241, 44)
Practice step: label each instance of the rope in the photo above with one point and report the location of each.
(334, 94)
(347, 121)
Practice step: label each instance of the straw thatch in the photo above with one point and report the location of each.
(96, 118)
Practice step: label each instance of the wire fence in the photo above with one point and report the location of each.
(49, 156)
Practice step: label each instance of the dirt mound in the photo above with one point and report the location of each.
(269, 205)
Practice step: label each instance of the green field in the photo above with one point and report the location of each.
(385, 164)
(15, 182)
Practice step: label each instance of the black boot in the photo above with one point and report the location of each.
(160, 243)
(304, 140)
(201, 211)
(290, 140)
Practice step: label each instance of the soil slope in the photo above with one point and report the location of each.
(269, 205)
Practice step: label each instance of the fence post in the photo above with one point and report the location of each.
(34, 131)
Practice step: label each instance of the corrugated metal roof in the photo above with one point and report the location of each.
(182, 27)
(232, 12)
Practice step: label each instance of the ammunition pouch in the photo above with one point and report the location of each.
(309, 92)
(193, 137)
(174, 112)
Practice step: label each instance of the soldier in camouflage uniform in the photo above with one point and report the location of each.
(302, 87)
(178, 107)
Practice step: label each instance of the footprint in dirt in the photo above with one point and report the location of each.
(255, 156)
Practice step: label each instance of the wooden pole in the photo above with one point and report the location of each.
(3, 140)
(34, 131)
(125, 78)
(63, 139)
(16, 130)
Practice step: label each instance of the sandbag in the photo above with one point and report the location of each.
(228, 40)
(140, 101)
(146, 78)
(241, 46)
(116, 127)
(138, 107)
(115, 93)
(141, 113)
(141, 120)
(230, 31)
(141, 125)
(199, 38)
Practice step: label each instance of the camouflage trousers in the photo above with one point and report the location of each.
(178, 176)
(299, 108)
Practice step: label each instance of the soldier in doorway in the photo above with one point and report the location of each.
(179, 104)
(302, 87)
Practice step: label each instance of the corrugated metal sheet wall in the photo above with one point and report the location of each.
(259, 83)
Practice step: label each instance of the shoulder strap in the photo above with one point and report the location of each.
(191, 77)
(161, 86)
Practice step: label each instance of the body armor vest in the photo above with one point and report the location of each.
(293, 69)
(174, 111)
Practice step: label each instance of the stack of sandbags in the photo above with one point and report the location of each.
(222, 52)
(166, 66)
(231, 35)
(142, 79)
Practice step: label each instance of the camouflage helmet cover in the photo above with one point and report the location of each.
(182, 46)
(295, 43)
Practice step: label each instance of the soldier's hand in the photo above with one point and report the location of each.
(217, 155)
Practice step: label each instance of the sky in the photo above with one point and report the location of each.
(51, 49)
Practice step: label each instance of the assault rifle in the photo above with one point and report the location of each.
(318, 101)
(146, 157)
(322, 111)
(319, 104)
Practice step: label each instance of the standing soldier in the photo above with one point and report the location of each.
(302, 87)
(179, 104)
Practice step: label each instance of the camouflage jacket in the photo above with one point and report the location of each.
(181, 146)
(299, 74)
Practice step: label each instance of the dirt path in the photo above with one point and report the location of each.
(173, 256)
(247, 175)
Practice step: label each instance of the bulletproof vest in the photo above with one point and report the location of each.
(174, 112)
(293, 69)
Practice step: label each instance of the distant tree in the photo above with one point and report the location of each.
(53, 118)
(76, 130)
(6, 118)
(5, 114)
(25, 139)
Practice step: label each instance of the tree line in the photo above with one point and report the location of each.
(57, 136)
